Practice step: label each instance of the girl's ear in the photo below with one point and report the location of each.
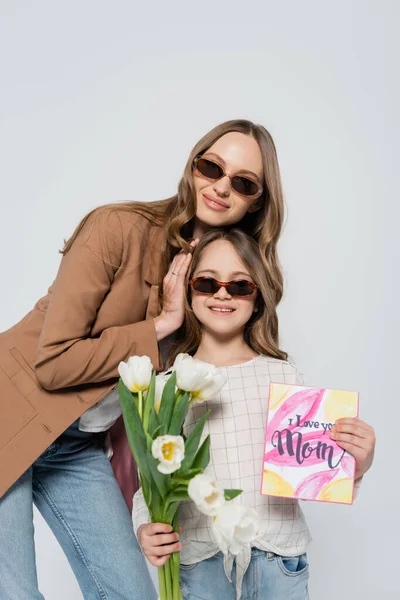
(256, 305)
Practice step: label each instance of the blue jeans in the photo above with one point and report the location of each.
(268, 577)
(73, 486)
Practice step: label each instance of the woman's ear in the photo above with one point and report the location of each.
(255, 207)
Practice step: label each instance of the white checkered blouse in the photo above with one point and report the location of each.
(237, 429)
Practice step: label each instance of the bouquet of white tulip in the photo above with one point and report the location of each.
(171, 466)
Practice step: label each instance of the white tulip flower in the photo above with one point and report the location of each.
(199, 378)
(207, 494)
(160, 384)
(234, 526)
(136, 373)
(170, 451)
(211, 388)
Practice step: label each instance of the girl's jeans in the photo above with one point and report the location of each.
(268, 577)
(73, 486)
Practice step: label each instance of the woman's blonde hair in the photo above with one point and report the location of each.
(261, 331)
(176, 214)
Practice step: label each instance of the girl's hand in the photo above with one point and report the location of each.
(158, 541)
(174, 294)
(358, 439)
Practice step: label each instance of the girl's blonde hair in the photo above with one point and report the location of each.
(176, 215)
(261, 331)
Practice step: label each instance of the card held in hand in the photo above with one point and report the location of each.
(300, 459)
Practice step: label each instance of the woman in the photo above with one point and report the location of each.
(61, 359)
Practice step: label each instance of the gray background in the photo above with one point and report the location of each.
(102, 101)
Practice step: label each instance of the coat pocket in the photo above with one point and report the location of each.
(26, 369)
(16, 411)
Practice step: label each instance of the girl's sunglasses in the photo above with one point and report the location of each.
(210, 286)
(241, 185)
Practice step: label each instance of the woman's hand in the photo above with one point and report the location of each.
(158, 541)
(174, 294)
(358, 438)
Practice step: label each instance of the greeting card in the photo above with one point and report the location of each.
(301, 460)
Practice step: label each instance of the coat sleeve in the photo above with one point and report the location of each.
(67, 355)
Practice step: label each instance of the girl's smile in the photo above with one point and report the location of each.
(221, 309)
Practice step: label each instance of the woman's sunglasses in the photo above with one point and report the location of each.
(213, 171)
(210, 286)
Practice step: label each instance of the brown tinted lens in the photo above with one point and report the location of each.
(240, 288)
(209, 169)
(244, 186)
(205, 285)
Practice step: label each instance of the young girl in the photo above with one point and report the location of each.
(228, 324)
(61, 359)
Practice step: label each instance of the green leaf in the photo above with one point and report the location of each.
(230, 494)
(154, 424)
(178, 489)
(149, 440)
(186, 476)
(167, 403)
(149, 402)
(176, 496)
(163, 482)
(192, 444)
(147, 491)
(134, 430)
(181, 406)
(170, 512)
(156, 508)
(146, 463)
(202, 457)
(156, 432)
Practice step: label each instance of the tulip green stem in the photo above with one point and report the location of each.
(177, 595)
(175, 564)
(161, 583)
(168, 578)
(140, 398)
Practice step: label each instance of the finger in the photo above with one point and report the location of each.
(162, 538)
(185, 266)
(170, 276)
(181, 256)
(167, 279)
(352, 421)
(158, 562)
(175, 266)
(358, 453)
(164, 550)
(192, 245)
(154, 528)
(181, 266)
(181, 260)
(350, 428)
(172, 266)
(348, 438)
